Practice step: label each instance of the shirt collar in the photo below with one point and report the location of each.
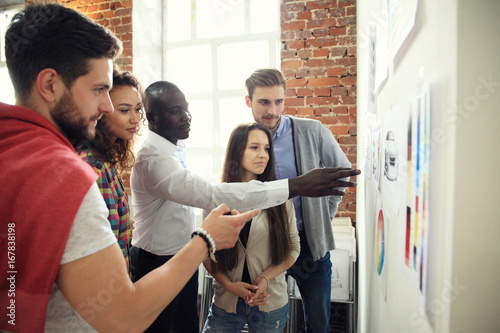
(163, 144)
(285, 124)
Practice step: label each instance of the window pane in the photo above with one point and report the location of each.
(264, 16)
(7, 94)
(238, 60)
(218, 109)
(219, 18)
(232, 112)
(190, 68)
(178, 20)
(201, 164)
(201, 124)
(5, 18)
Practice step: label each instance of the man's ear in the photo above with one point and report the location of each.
(150, 117)
(248, 101)
(48, 84)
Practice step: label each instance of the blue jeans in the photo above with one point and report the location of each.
(258, 321)
(314, 279)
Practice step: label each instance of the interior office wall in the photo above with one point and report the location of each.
(453, 47)
(476, 249)
(427, 54)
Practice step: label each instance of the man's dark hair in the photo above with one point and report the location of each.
(154, 93)
(52, 36)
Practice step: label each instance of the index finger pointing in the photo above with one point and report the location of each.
(243, 218)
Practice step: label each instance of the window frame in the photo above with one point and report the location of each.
(273, 39)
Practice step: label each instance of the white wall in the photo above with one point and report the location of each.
(476, 250)
(454, 46)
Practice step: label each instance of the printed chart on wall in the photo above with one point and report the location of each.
(414, 232)
(402, 14)
(370, 96)
(375, 153)
(393, 159)
(381, 238)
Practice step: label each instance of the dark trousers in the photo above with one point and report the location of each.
(314, 282)
(181, 315)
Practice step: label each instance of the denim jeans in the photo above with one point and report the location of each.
(314, 280)
(258, 321)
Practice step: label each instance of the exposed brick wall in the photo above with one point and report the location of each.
(114, 15)
(318, 58)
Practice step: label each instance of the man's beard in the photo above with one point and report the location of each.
(272, 128)
(69, 119)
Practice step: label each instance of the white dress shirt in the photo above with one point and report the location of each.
(164, 192)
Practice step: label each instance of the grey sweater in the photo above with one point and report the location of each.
(315, 147)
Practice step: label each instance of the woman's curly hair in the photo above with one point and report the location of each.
(119, 153)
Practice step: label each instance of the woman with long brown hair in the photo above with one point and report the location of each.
(110, 152)
(250, 282)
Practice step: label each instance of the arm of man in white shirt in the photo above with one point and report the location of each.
(164, 177)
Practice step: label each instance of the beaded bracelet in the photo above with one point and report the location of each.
(208, 239)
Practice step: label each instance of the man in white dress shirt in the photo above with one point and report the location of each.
(164, 193)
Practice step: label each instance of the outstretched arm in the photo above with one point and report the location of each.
(166, 176)
(99, 288)
(321, 182)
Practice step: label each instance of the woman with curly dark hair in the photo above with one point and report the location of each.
(110, 152)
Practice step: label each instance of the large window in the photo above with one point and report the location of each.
(210, 48)
(7, 91)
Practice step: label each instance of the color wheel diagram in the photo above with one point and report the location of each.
(380, 243)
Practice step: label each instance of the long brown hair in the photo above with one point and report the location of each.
(279, 235)
(118, 153)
